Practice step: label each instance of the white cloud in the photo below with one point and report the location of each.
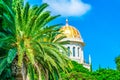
(68, 7)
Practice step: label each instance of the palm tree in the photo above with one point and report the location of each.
(28, 40)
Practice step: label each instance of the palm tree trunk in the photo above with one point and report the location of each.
(16, 70)
(46, 75)
(23, 71)
(39, 71)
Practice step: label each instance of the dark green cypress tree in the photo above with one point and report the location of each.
(117, 61)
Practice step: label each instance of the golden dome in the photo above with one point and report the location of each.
(70, 31)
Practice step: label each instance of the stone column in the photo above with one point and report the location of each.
(71, 49)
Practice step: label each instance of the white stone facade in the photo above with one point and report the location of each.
(76, 52)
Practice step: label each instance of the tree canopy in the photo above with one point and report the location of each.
(117, 61)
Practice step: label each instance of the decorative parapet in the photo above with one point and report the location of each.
(86, 65)
(74, 39)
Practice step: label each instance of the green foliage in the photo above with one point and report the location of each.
(31, 72)
(79, 67)
(106, 74)
(78, 76)
(3, 64)
(11, 55)
(117, 61)
(7, 74)
(78, 72)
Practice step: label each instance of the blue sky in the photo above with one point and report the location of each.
(98, 22)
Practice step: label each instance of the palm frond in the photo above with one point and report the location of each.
(11, 55)
(40, 9)
(31, 72)
(19, 21)
(3, 64)
(30, 56)
(26, 13)
(6, 8)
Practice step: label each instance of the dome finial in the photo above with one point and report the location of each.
(66, 22)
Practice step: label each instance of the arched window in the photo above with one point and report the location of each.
(78, 51)
(73, 51)
(68, 51)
